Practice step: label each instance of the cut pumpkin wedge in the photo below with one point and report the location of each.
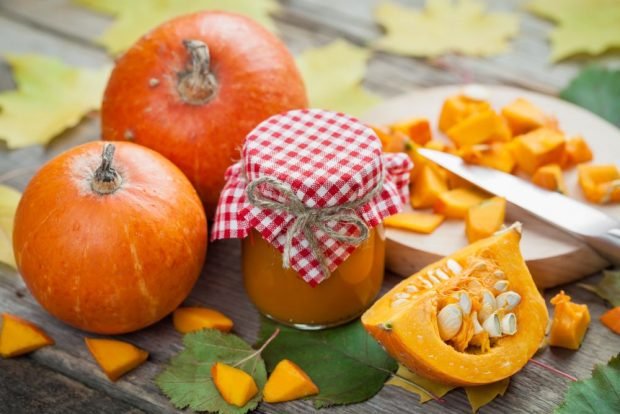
(288, 382)
(191, 319)
(425, 223)
(236, 386)
(115, 358)
(485, 218)
(19, 336)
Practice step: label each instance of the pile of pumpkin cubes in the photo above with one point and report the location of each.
(520, 138)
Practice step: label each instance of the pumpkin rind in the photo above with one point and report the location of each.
(410, 333)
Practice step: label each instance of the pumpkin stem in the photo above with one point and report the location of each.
(106, 179)
(197, 85)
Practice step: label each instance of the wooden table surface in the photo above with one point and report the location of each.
(65, 379)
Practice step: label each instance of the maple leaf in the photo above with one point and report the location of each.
(444, 26)
(136, 17)
(333, 74)
(50, 97)
(9, 198)
(583, 26)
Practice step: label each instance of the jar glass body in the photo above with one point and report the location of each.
(283, 296)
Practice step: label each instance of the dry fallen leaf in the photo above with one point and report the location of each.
(333, 76)
(136, 17)
(445, 26)
(9, 198)
(50, 97)
(583, 26)
(483, 394)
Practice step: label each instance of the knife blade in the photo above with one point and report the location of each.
(596, 228)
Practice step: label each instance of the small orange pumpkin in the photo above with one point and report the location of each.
(112, 243)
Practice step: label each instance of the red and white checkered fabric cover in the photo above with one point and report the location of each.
(327, 159)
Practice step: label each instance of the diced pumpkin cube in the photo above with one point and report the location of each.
(456, 181)
(523, 116)
(570, 322)
(115, 358)
(417, 129)
(427, 186)
(192, 319)
(457, 108)
(392, 141)
(437, 145)
(478, 128)
(550, 177)
(599, 183)
(485, 218)
(577, 151)
(288, 382)
(19, 336)
(611, 319)
(495, 155)
(236, 386)
(383, 133)
(414, 221)
(537, 148)
(455, 203)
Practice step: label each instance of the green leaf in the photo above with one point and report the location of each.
(345, 363)
(599, 394)
(417, 384)
(9, 198)
(136, 17)
(333, 75)
(608, 288)
(50, 98)
(187, 379)
(583, 26)
(598, 90)
(445, 26)
(481, 395)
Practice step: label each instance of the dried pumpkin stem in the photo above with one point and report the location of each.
(106, 179)
(197, 85)
(259, 350)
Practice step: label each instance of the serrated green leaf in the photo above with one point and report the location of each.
(136, 17)
(583, 26)
(598, 90)
(444, 26)
(599, 394)
(9, 198)
(345, 363)
(50, 97)
(333, 75)
(608, 288)
(187, 379)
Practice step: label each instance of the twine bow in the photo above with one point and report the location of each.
(307, 217)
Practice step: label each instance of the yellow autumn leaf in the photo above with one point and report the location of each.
(133, 18)
(9, 198)
(445, 26)
(50, 97)
(333, 75)
(417, 384)
(483, 394)
(583, 26)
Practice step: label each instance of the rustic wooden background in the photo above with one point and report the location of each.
(65, 379)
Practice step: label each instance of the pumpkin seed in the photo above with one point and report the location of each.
(425, 283)
(477, 327)
(489, 305)
(449, 321)
(509, 324)
(441, 274)
(402, 295)
(499, 274)
(508, 300)
(411, 288)
(433, 279)
(399, 302)
(464, 303)
(454, 267)
(501, 285)
(492, 326)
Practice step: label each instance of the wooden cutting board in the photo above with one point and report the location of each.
(553, 257)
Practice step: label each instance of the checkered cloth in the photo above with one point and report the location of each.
(327, 159)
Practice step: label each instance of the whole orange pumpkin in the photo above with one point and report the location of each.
(110, 238)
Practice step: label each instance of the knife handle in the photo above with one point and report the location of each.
(607, 245)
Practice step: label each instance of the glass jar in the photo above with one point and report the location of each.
(283, 296)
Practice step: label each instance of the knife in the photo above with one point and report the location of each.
(595, 228)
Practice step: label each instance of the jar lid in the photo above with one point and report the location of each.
(312, 183)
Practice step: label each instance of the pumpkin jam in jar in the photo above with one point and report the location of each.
(308, 198)
(282, 295)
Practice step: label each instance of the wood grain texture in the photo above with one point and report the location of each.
(66, 378)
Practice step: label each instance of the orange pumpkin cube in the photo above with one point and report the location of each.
(236, 386)
(611, 319)
(437, 145)
(383, 133)
(537, 148)
(522, 116)
(417, 129)
(288, 382)
(485, 218)
(570, 322)
(599, 183)
(414, 221)
(577, 152)
(550, 177)
(478, 128)
(457, 108)
(496, 155)
(115, 358)
(19, 336)
(192, 319)
(427, 186)
(455, 203)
